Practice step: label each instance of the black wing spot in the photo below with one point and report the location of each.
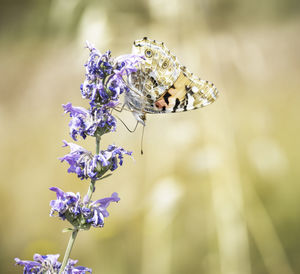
(166, 97)
(185, 102)
(187, 88)
(155, 84)
(176, 105)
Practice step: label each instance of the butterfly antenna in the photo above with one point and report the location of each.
(130, 130)
(142, 141)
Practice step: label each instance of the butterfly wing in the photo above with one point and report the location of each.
(162, 85)
(187, 93)
(161, 68)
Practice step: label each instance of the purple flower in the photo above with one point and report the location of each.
(88, 122)
(86, 165)
(63, 202)
(79, 160)
(71, 269)
(104, 203)
(81, 214)
(104, 76)
(81, 123)
(111, 156)
(127, 64)
(49, 264)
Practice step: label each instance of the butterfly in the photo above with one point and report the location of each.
(162, 85)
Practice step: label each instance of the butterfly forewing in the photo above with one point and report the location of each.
(159, 63)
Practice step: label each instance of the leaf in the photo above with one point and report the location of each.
(67, 229)
(105, 176)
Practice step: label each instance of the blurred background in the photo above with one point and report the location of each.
(217, 189)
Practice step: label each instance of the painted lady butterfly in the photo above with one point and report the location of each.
(162, 85)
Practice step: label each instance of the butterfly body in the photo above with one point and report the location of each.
(162, 85)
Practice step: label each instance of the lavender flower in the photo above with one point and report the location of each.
(49, 264)
(103, 85)
(104, 76)
(79, 160)
(89, 122)
(111, 156)
(81, 214)
(86, 165)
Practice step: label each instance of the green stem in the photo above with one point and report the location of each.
(98, 138)
(75, 231)
(68, 250)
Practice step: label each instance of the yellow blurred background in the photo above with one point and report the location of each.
(217, 189)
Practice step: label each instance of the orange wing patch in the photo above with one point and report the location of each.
(176, 93)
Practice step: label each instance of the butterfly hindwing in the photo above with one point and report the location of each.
(187, 93)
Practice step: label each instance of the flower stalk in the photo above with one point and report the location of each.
(103, 85)
(68, 250)
(76, 230)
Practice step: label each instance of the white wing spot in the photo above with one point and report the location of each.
(195, 89)
(213, 93)
(191, 100)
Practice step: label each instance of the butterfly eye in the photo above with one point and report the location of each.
(165, 64)
(148, 53)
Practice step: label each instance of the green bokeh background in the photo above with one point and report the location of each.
(217, 190)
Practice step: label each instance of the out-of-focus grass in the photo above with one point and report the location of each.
(216, 190)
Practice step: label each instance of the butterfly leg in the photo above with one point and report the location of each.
(130, 130)
(120, 110)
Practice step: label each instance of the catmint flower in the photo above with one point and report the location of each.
(81, 214)
(104, 76)
(89, 122)
(49, 264)
(111, 156)
(86, 165)
(79, 160)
